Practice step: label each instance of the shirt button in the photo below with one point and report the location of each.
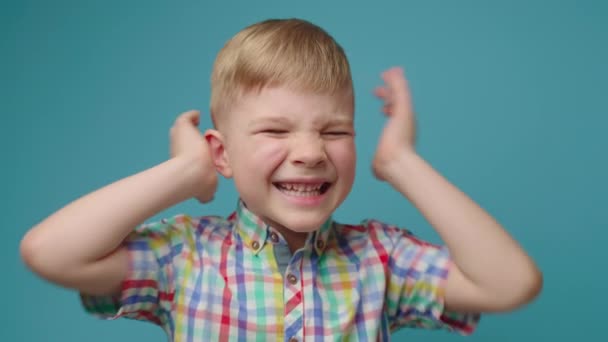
(320, 244)
(293, 339)
(274, 237)
(255, 245)
(292, 279)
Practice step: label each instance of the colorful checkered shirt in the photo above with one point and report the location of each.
(213, 278)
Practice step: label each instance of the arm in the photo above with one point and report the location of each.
(490, 272)
(79, 246)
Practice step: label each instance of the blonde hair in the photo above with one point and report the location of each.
(278, 52)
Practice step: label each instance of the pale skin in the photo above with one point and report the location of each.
(490, 271)
(79, 246)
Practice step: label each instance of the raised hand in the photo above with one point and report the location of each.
(187, 142)
(399, 134)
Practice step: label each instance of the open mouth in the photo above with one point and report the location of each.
(303, 190)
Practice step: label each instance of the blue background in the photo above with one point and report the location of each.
(511, 102)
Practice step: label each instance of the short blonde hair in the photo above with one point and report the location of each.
(278, 52)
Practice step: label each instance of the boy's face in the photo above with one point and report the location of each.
(292, 155)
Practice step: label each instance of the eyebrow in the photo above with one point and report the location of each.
(339, 121)
(281, 120)
(269, 120)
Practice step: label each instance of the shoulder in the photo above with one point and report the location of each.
(184, 226)
(369, 228)
(376, 231)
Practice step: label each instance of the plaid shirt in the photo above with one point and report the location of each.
(213, 278)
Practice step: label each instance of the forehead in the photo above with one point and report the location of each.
(284, 103)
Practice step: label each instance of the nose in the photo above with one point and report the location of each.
(308, 150)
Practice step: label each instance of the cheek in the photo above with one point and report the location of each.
(343, 156)
(264, 153)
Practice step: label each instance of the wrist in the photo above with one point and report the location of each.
(400, 166)
(186, 173)
(196, 179)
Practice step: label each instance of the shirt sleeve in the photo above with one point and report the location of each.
(418, 271)
(154, 261)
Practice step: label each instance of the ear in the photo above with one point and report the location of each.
(218, 152)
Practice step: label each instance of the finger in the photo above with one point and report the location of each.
(387, 109)
(399, 90)
(191, 116)
(395, 81)
(381, 92)
(188, 114)
(384, 95)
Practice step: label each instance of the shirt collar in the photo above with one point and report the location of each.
(255, 233)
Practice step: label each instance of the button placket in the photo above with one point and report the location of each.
(320, 244)
(294, 309)
(292, 279)
(274, 237)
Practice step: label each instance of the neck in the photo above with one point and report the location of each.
(295, 240)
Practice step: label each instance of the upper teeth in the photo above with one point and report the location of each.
(301, 187)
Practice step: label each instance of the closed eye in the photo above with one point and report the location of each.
(274, 132)
(337, 133)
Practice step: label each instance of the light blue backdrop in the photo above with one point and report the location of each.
(511, 97)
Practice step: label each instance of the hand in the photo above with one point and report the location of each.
(399, 134)
(187, 142)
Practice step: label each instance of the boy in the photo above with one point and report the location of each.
(280, 268)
